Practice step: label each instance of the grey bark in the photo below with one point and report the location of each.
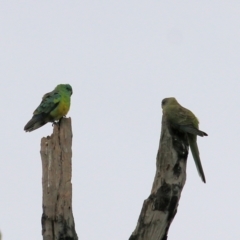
(56, 155)
(160, 208)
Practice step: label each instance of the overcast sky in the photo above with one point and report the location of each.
(121, 58)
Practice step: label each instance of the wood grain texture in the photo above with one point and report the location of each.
(56, 155)
(160, 208)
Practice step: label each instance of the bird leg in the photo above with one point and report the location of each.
(54, 123)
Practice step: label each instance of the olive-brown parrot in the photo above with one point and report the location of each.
(185, 121)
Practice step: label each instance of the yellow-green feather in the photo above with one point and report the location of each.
(62, 108)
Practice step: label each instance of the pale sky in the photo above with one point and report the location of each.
(121, 58)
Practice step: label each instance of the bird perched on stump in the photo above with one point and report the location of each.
(53, 107)
(185, 121)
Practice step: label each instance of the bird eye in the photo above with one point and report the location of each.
(164, 101)
(69, 88)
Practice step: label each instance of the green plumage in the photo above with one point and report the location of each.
(54, 106)
(184, 120)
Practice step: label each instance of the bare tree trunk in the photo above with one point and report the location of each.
(160, 207)
(56, 154)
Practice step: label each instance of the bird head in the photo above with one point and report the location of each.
(169, 101)
(64, 87)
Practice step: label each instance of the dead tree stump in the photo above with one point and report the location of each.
(56, 155)
(160, 207)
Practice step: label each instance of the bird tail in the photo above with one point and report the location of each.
(196, 157)
(36, 122)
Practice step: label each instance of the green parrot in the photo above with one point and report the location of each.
(54, 106)
(185, 121)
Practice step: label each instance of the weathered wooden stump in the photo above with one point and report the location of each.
(56, 155)
(160, 207)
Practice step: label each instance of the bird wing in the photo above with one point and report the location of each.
(49, 102)
(181, 116)
(177, 115)
(185, 116)
(191, 129)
